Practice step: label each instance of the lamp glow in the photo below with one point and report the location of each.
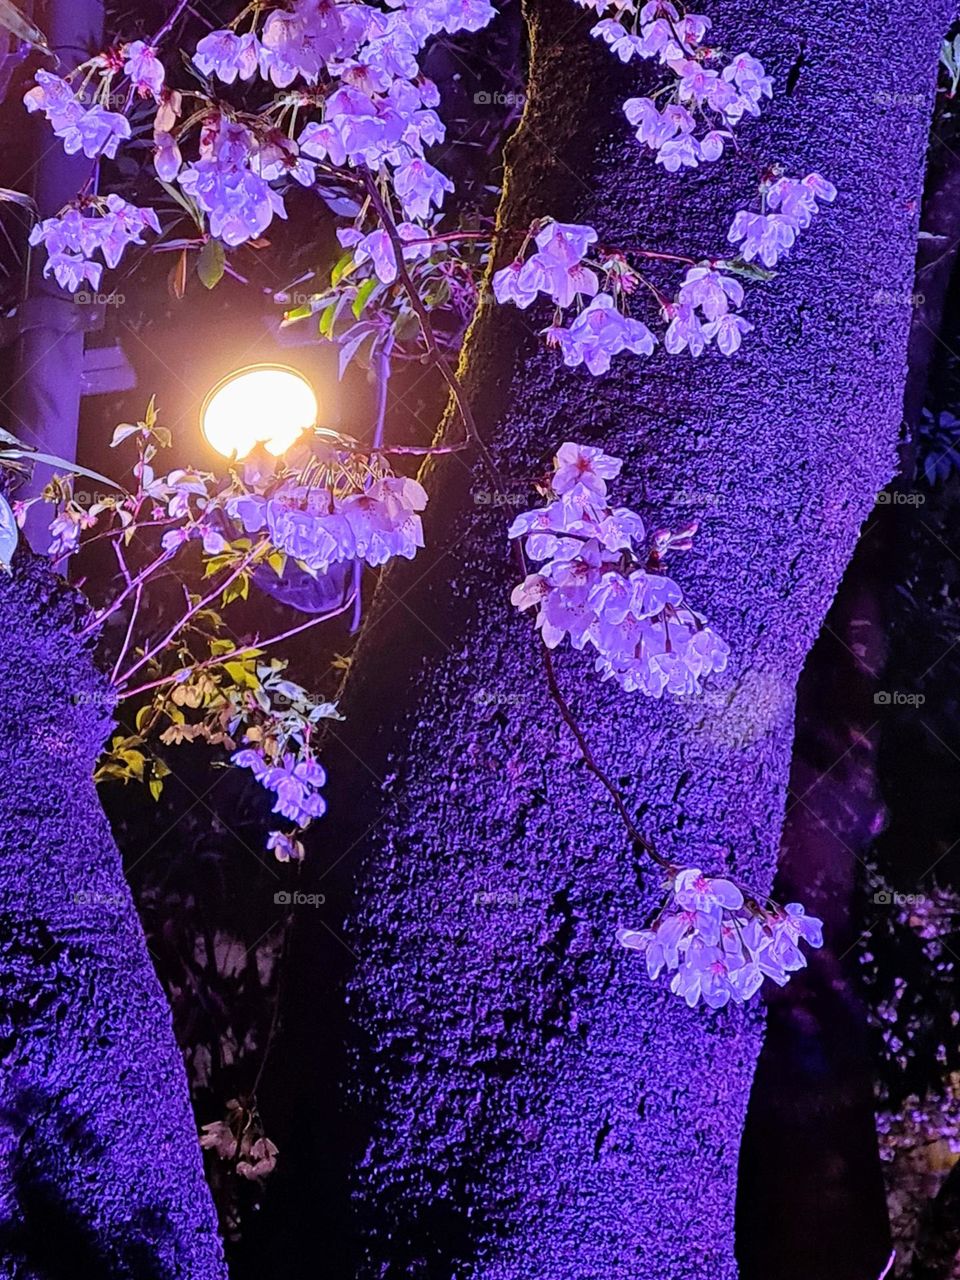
(263, 404)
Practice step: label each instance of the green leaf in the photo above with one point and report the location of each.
(298, 313)
(363, 296)
(9, 534)
(238, 589)
(327, 321)
(242, 675)
(185, 203)
(124, 430)
(211, 264)
(343, 268)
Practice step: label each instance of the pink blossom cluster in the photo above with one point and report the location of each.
(703, 311)
(144, 69)
(361, 62)
(593, 587)
(379, 111)
(768, 236)
(230, 180)
(90, 129)
(561, 270)
(296, 784)
(376, 247)
(319, 528)
(598, 333)
(74, 237)
(719, 945)
(558, 269)
(715, 96)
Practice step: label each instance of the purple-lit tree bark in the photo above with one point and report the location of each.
(538, 1107)
(100, 1170)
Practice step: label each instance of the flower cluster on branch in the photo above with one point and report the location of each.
(600, 583)
(718, 944)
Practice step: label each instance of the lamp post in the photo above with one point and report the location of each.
(272, 405)
(268, 404)
(43, 407)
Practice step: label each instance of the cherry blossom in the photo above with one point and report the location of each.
(420, 186)
(768, 236)
(167, 158)
(706, 289)
(702, 91)
(374, 525)
(595, 587)
(700, 314)
(582, 471)
(240, 201)
(106, 226)
(377, 248)
(599, 332)
(718, 943)
(296, 784)
(285, 847)
(93, 130)
(141, 64)
(228, 56)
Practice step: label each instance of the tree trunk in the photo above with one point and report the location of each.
(533, 1105)
(100, 1168)
(813, 1094)
(814, 1088)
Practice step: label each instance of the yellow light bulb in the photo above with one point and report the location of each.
(264, 404)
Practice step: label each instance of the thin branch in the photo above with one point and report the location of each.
(242, 650)
(426, 325)
(383, 388)
(591, 763)
(100, 617)
(424, 450)
(129, 636)
(192, 612)
(889, 1267)
(170, 23)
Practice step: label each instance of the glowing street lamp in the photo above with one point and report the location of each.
(266, 404)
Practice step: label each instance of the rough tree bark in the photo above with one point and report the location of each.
(533, 1105)
(814, 1088)
(100, 1168)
